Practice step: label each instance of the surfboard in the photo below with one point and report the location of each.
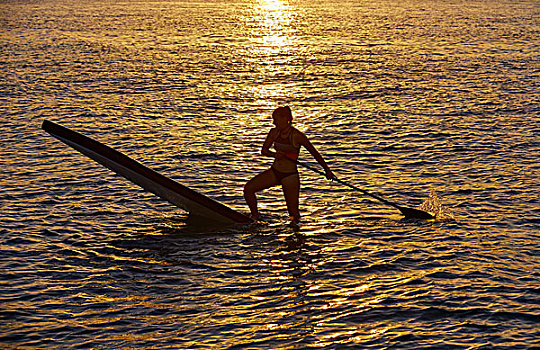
(183, 197)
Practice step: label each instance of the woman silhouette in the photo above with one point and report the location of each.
(287, 141)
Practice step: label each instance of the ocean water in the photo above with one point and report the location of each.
(426, 103)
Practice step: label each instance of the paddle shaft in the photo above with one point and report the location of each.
(350, 185)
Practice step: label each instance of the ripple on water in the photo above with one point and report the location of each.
(89, 260)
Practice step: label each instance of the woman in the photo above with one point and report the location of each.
(287, 142)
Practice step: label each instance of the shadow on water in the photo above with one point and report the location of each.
(181, 231)
(201, 251)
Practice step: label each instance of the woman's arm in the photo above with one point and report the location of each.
(304, 141)
(265, 151)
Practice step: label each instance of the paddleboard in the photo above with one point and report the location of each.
(189, 200)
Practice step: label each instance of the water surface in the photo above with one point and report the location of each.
(407, 99)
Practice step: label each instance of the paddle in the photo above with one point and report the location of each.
(409, 213)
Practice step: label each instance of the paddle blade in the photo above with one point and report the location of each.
(411, 213)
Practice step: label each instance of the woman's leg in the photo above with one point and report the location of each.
(264, 180)
(291, 190)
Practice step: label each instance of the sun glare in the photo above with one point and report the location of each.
(274, 5)
(272, 42)
(275, 18)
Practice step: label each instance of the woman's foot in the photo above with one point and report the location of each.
(294, 223)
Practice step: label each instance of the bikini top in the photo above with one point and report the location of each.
(286, 145)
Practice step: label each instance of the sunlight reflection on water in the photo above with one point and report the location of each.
(398, 97)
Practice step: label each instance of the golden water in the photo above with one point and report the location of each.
(430, 104)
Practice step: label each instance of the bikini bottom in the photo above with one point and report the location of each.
(281, 175)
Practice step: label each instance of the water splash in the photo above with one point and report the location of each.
(433, 205)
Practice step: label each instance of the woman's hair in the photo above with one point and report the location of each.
(286, 111)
